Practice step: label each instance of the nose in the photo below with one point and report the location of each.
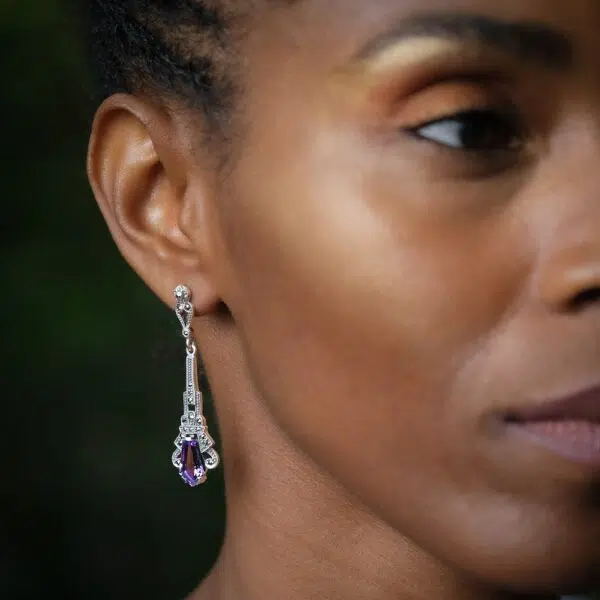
(567, 221)
(569, 276)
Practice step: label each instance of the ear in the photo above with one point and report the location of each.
(154, 195)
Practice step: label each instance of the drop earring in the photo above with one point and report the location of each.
(194, 455)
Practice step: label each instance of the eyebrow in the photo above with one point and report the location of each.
(527, 41)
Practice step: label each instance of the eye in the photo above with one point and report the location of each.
(473, 130)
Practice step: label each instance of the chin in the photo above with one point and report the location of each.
(543, 569)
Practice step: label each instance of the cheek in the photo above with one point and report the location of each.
(357, 309)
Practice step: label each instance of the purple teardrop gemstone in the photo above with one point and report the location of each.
(193, 469)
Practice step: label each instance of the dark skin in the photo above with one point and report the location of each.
(372, 295)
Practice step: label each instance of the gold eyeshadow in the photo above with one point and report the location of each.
(377, 84)
(411, 52)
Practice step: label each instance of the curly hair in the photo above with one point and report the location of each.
(185, 48)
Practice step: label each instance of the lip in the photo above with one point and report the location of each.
(568, 426)
(581, 406)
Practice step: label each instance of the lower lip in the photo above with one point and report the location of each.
(578, 441)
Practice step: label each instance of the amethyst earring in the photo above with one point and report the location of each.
(194, 455)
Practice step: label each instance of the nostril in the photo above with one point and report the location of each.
(585, 298)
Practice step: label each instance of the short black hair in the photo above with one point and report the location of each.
(180, 48)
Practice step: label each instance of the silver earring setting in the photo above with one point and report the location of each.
(194, 455)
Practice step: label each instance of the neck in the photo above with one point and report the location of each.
(292, 532)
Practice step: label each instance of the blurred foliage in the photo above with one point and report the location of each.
(93, 370)
(93, 365)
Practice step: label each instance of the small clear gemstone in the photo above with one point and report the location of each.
(182, 292)
(193, 469)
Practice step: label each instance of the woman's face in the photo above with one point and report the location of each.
(412, 234)
(410, 246)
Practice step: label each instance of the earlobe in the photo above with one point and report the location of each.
(140, 175)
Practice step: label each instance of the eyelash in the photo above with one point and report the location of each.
(480, 130)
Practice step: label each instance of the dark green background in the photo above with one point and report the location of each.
(93, 364)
